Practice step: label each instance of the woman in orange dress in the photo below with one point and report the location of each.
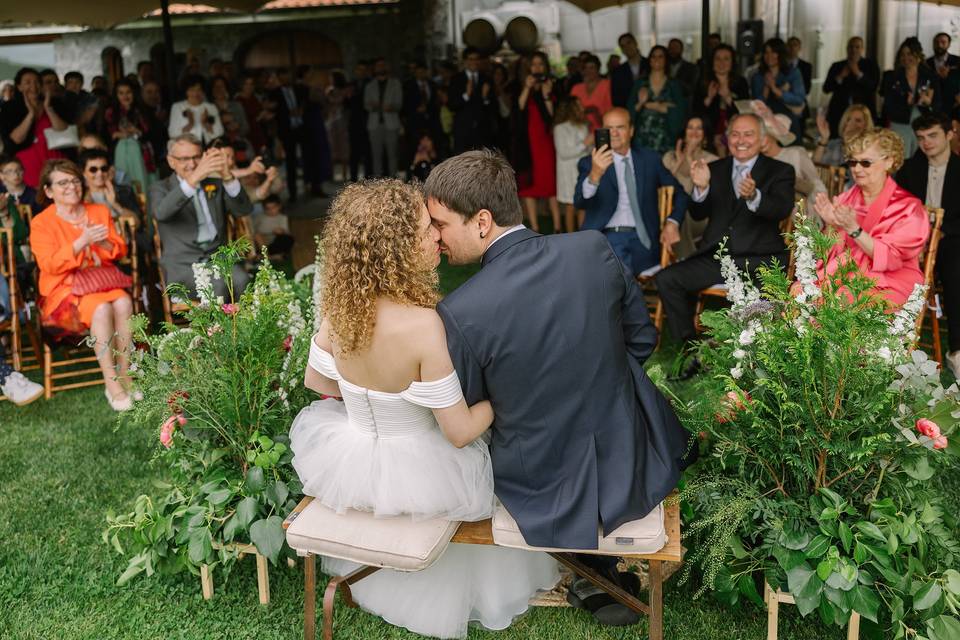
(70, 235)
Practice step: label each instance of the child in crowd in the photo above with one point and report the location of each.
(11, 176)
(272, 229)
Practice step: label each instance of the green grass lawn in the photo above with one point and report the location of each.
(64, 464)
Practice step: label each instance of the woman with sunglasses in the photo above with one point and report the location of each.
(883, 226)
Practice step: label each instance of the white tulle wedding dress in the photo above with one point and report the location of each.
(384, 452)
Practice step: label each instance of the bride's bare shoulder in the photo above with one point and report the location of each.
(415, 324)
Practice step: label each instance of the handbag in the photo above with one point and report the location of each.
(99, 277)
(62, 139)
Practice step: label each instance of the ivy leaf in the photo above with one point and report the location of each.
(952, 577)
(860, 553)
(943, 628)
(788, 558)
(794, 536)
(200, 545)
(864, 601)
(267, 535)
(220, 497)
(255, 482)
(846, 537)
(928, 595)
(749, 589)
(247, 511)
(805, 586)
(825, 569)
(277, 493)
(919, 469)
(818, 546)
(872, 530)
(137, 565)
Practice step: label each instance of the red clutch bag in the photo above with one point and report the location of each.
(102, 278)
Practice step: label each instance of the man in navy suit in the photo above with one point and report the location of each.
(630, 70)
(617, 188)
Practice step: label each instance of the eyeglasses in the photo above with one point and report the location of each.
(866, 164)
(95, 169)
(12, 172)
(63, 184)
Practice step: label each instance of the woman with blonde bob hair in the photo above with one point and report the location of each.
(403, 442)
(855, 120)
(883, 227)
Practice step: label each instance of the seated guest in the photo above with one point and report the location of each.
(881, 225)
(11, 181)
(195, 115)
(14, 385)
(908, 91)
(190, 208)
(779, 85)
(572, 140)
(855, 120)
(776, 145)
(657, 105)
(694, 144)
(24, 120)
(746, 196)
(272, 229)
(617, 186)
(851, 81)
(933, 176)
(69, 238)
(120, 199)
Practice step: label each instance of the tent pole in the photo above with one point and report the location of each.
(171, 78)
(704, 28)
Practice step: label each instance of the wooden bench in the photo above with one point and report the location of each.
(482, 533)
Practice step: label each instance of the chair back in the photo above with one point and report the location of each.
(929, 259)
(665, 207)
(26, 213)
(8, 271)
(239, 227)
(834, 178)
(127, 226)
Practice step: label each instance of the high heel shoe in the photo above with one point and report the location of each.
(124, 404)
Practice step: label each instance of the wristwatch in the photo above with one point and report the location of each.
(856, 233)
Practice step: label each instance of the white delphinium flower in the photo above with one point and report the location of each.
(885, 354)
(736, 373)
(203, 281)
(905, 319)
(805, 264)
(740, 292)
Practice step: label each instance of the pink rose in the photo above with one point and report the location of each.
(166, 431)
(230, 308)
(181, 420)
(928, 428)
(287, 343)
(940, 442)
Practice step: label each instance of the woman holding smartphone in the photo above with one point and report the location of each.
(911, 89)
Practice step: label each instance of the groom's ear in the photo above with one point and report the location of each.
(484, 221)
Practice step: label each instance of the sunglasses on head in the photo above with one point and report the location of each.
(866, 164)
(98, 169)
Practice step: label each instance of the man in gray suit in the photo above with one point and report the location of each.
(382, 99)
(190, 208)
(554, 331)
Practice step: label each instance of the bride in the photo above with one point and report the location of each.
(403, 441)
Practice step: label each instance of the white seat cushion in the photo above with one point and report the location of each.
(646, 535)
(357, 536)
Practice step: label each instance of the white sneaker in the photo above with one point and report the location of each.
(953, 363)
(20, 390)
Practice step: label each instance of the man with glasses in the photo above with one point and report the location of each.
(190, 208)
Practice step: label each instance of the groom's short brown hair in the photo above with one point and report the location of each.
(477, 180)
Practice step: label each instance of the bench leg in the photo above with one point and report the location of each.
(773, 612)
(343, 584)
(263, 580)
(853, 630)
(309, 597)
(655, 576)
(206, 581)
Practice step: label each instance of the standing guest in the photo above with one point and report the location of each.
(195, 115)
(594, 92)
(617, 187)
(67, 238)
(50, 83)
(151, 96)
(882, 227)
(794, 61)
(942, 61)
(73, 93)
(703, 64)
(613, 61)
(716, 96)
(337, 123)
(933, 176)
(628, 73)
(145, 72)
(572, 140)
(851, 81)
(359, 138)
(693, 145)
(8, 90)
(272, 229)
(290, 101)
(424, 159)
(317, 158)
(780, 86)
(253, 110)
(220, 95)
(855, 120)
(573, 77)
(420, 110)
(98, 84)
(11, 181)
(534, 156)
(190, 210)
(23, 123)
(134, 133)
(383, 99)
(504, 95)
(909, 91)
(471, 100)
(746, 196)
(657, 105)
(683, 72)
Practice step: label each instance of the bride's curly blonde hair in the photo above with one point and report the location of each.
(371, 249)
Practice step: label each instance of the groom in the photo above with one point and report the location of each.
(554, 332)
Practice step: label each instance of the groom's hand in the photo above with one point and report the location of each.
(601, 159)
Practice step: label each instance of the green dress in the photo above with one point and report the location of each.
(21, 232)
(652, 129)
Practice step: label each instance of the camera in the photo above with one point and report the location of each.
(540, 77)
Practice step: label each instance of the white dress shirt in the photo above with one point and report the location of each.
(206, 228)
(178, 121)
(504, 235)
(700, 196)
(935, 176)
(623, 214)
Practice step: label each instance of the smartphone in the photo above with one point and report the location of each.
(601, 137)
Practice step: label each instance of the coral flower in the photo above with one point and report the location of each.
(928, 428)
(940, 442)
(230, 308)
(166, 431)
(731, 404)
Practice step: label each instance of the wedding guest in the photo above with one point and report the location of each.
(151, 96)
(337, 123)
(746, 196)
(73, 92)
(272, 229)
(572, 141)
(195, 115)
(683, 72)
(8, 91)
(882, 227)
(290, 101)
(120, 200)
(855, 120)
(593, 92)
(617, 187)
(613, 61)
(11, 220)
(134, 133)
(942, 61)
(534, 156)
(253, 111)
(471, 100)
(657, 105)
(11, 181)
(424, 158)
(504, 95)
(24, 122)
(220, 96)
(359, 138)
(573, 77)
(716, 96)
(383, 99)
(692, 145)
(851, 81)
(777, 145)
(67, 238)
(317, 156)
(933, 176)
(780, 86)
(794, 61)
(910, 90)
(628, 73)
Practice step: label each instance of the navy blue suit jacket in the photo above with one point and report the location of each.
(554, 332)
(650, 175)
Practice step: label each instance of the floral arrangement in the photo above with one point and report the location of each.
(824, 434)
(220, 393)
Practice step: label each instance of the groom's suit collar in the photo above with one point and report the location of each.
(504, 243)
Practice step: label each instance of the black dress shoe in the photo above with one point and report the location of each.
(692, 368)
(601, 605)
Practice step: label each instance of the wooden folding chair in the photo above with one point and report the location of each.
(240, 227)
(834, 178)
(8, 271)
(932, 307)
(719, 290)
(169, 306)
(127, 227)
(647, 283)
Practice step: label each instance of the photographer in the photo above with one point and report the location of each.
(195, 115)
(534, 156)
